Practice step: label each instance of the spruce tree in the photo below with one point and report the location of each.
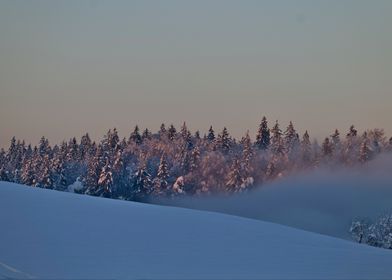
(306, 148)
(223, 142)
(247, 154)
(290, 138)
(162, 131)
(146, 135)
(160, 182)
(105, 181)
(172, 132)
(235, 179)
(142, 184)
(135, 136)
(195, 159)
(263, 135)
(211, 135)
(327, 148)
(277, 144)
(364, 150)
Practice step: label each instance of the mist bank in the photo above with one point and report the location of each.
(325, 200)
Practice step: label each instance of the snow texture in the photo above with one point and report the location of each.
(58, 235)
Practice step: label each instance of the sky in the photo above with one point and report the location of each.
(70, 67)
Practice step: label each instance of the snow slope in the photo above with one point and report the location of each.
(49, 234)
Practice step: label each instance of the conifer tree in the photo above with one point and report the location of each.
(277, 145)
(195, 159)
(263, 135)
(142, 184)
(146, 135)
(184, 131)
(247, 154)
(234, 179)
(290, 138)
(270, 173)
(306, 148)
(327, 148)
(105, 181)
(171, 133)
(211, 134)
(197, 135)
(135, 136)
(364, 150)
(162, 131)
(160, 182)
(85, 147)
(223, 141)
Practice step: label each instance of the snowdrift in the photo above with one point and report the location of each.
(49, 234)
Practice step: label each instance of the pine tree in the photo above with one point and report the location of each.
(184, 131)
(105, 181)
(351, 145)
(146, 135)
(336, 139)
(94, 168)
(85, 148)
(327, 148)
(28, 174)
(197, 135)
(364, 151)
(306, 148)
(43, 146)
(195, 159)
(160, 182)
(73, 150)
(162, 131)
(223, 141)
(120, 177)
(277, 144)
(172, 132)
(290, 139)
(271, 173)
(235, 179)
(211, 135)
(263, 135)
(142, 184)
(247, 154)
(135, 136)
(60, 179)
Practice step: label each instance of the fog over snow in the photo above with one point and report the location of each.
(325, 200)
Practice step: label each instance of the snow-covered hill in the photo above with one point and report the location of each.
(49, 234)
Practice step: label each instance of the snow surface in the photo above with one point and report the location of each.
(57, 235)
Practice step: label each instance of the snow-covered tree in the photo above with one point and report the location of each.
(141, 184)
(364, 150)
(172, 132)
(135, 136)
(160, 182)
(327, 148)
(306, 148)
(211, 135)
(235, 179)
(223, 142)
(277, 143)
(105, 181)
(263, 135)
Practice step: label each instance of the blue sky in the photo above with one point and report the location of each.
(68, 67)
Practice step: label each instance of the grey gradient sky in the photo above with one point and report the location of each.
(70, 67)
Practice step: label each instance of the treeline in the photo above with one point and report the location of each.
(171, 162)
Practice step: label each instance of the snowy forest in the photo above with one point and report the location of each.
(175, 162)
